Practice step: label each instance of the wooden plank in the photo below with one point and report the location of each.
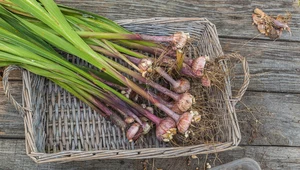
(269, 158)
(273, 119)
(232, 18)
(13, 156)
(274, 66)
(11, 122)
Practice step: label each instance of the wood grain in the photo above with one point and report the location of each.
(270, 119)
(232, 18)
(13, 157)
(11, 123)
(269, 158)
(274, 66)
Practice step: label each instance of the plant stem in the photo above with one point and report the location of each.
(143, 80)
(180, 86)
(118, 36)
(165, 75)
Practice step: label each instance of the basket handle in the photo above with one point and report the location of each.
(7, 87)
(246, 81)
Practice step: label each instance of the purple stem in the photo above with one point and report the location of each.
(134, 59)
(152, 117)
(186, 70)
(145, 112)
(156, 51)
(183, 101)
(136, 46)
(138, 76)
(119, 104)
(114, 117)
(149, 115)
(173, 82)
(168, 104)
(280, 24)
(117, 36)
(157, 86)
(160, 88)
(109, 83)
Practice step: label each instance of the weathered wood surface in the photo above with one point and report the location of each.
(232, 18)
(274, 66)
(13, 156)
(11, 123)
(273, 119)
(270, 131)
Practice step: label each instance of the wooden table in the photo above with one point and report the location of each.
(270, 130)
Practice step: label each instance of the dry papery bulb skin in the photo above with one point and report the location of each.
(166, 129)
(132, 131)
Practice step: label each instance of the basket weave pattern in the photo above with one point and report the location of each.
(60, 128)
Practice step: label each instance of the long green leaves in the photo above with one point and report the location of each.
(56, 30)
(52, 16)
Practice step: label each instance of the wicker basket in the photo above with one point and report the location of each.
(60, 128)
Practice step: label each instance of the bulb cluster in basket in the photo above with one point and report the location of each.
(32, 30)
